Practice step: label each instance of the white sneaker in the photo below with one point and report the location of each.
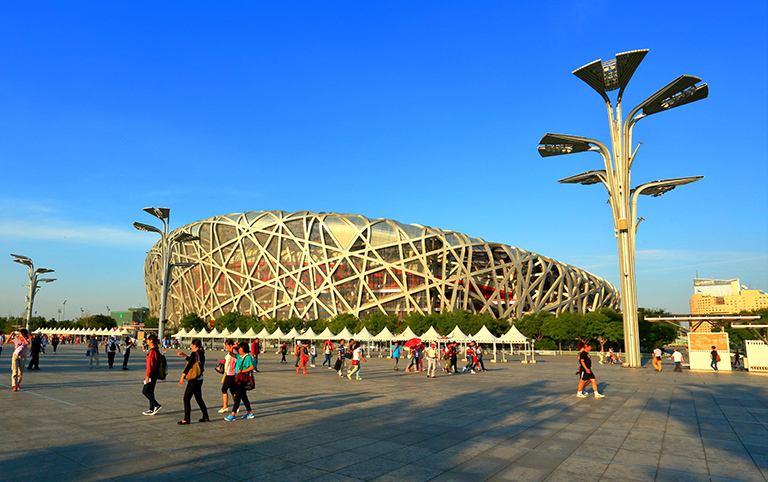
(599, 395)
(581, 395)
(223, 410)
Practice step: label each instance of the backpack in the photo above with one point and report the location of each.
(163, 372)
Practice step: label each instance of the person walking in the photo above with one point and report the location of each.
(55, 343)
(357, 355)
(128, 344)
(432, 354)
(470, 353)
(283, 352)
(20, 340)
(396, 351)
(112, 347)
(35, 347)
(297, 352)
(479, 366)
(2, 342)
(656, 359)
(453, 355)
(341, 361)
(312, 354)
(152, 374)
(715, 357)
(228, 377)
(303, 352)
(585, 372)
(193, 374)
(413, 356)
(243, 366)
(93, 352)
(677, 357)
(328, 351)
(255, 351)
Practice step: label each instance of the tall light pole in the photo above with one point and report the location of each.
(166, 253)
(63, 306)
(605, 77)
(34, 283)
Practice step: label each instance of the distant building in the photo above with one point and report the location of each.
(134, 316)
(725, 297)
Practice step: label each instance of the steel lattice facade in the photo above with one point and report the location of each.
(317, 265)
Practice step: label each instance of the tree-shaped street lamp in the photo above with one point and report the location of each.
(605, 77)
(166, 253)
(34, 283)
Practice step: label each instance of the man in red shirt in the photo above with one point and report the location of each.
(255, 350)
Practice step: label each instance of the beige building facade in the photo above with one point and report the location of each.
(725, 297)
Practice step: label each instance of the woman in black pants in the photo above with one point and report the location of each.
(193, 373)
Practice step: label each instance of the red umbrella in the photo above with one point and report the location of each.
(413, 342)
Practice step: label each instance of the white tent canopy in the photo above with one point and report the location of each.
(308, 335)
(250, 333)
(364, 335)
(327, 334)
(514, 336)
(431, 335)
(484, 335)
(406, 335)
(384, 335)
(235, 334)
(263, 334)
(345, 334)
(276, 335)
(457, 335)
(293, 334)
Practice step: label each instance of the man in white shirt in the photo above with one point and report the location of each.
(677, 357)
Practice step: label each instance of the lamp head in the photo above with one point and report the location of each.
(146, 227)
(559, 144)
(613, 74)
(160, 213)
(657, 188)
(683, 90)
(185, 237)
(22, 260)
(43, 270)
(184, 265)
(586, 178)
(46, 280)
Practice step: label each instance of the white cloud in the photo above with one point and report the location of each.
(77, 233)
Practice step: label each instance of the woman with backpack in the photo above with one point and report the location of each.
(154, 366)
(193, 374)
(243, 370)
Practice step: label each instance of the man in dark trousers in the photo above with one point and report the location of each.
(111, 348)
(255, 350)
(35, 347)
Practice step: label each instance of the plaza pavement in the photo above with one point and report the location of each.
(513, 423)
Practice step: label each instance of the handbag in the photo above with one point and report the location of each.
(245, 380)
(194, 372)
(220, 367)
(87, 352)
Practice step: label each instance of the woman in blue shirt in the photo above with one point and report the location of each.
(244, 365)
(396, 354)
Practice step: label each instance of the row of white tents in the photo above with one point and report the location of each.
(512, 337)
(116, 332)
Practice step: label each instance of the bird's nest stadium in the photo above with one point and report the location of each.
(317, 265)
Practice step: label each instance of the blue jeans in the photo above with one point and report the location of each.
(327, 359)
(714, 364)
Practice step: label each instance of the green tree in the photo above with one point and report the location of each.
(531, 324)
(98, 322)
(560, 329)
(341, 321)
(658, 333)
(192, 321)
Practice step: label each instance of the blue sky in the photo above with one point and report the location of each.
(423, 112)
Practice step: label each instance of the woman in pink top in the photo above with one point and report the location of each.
(20, 340)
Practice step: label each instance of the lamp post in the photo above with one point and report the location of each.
(604, 77)
(34, 283)
(63, 306)
(166, 253)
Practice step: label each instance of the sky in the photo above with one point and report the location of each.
(423, 112)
